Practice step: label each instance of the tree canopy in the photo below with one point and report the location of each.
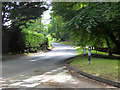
(92, 23)
(57, 29)
(23, 17)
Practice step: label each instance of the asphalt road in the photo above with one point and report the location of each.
(47, 70)
(45, 61)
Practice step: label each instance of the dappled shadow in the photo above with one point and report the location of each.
(105, 56)
(60, 52)
(56, 77)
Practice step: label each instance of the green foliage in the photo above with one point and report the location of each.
(21, 12)
(57, 29)
(49, 39)
(67, 9)
(23, 32)
(32, 39)
(95, 23)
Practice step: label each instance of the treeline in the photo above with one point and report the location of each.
(91, 23)
(57, 29)
(25, 33)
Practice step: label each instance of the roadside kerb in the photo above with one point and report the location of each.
(103, 80)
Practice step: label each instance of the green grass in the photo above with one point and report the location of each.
(68, 43)
(80, 51)
(100, 64)
(106, 68)
(28, 53)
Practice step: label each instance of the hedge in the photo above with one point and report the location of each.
(33, 40)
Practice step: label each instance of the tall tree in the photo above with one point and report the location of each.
(57, 29)
(19, 13)
(93, 23)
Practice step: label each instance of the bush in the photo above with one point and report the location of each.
(33, 41)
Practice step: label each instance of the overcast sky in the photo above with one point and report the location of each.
(46, 16)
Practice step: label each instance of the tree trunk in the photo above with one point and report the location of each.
(4, 43)
(96, 48)
(112, 37)
(109, 47)
(92, 47)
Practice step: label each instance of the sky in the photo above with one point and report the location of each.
(46, 16)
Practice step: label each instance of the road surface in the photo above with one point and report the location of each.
(46, 60)
(44, 71)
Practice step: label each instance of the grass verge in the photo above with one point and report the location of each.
(101, 64)
(80, 49)
(106, 68)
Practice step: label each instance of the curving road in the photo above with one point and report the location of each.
(45, 71)
(45, 61)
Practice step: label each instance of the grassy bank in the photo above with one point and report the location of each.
(106, 68)
(101, 64)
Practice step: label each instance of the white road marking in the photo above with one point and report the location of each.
(33, 60)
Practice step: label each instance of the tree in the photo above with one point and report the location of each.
(57, 29)
(19, 13)
(93, 23)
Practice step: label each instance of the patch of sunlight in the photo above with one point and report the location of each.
(61, 77)
(116, 67)
(61, 68)
(61, 51)
(59, 54)
(97, 74)
(16, 84)
(55, 70)
(116, 54)
(1, 81)
(62, 48)
(48, 72)
(77, 47)
(74, 81)
(33, 78)
(30, 85)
